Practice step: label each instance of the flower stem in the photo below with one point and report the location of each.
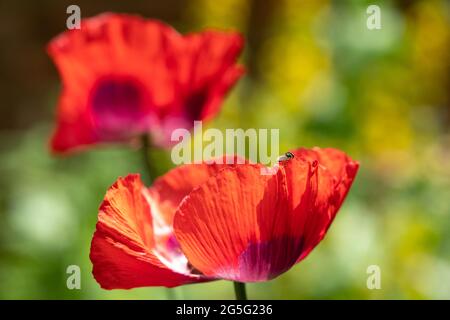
(150, 171)
(239, 290)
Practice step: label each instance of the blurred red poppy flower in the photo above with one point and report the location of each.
(204, 222)
(124, 76)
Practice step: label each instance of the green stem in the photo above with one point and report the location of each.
(171, 294)
(239, 290)
(149, 168)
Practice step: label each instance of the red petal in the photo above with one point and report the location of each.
(123, 250)
(335, 174)
(74, 129)
(338, 168)
(206, 69)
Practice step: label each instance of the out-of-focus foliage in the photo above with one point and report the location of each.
(315, 72)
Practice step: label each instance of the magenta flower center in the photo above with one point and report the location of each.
(266, 260)
(118, 107)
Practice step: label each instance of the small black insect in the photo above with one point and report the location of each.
(286, 156)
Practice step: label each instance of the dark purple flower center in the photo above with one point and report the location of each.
(266, 260)
(118, 106)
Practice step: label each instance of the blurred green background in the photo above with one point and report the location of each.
(316, 72)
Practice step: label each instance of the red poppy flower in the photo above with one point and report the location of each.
(124, 76)
(204, 222)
